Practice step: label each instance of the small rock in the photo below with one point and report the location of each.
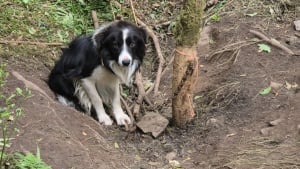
(266, 131)
(153, 123)
(153, 163)
(297, 25)
(175, 164)
(170, 156)
(214, 122)
(275, 122)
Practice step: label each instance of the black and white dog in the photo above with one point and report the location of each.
(90, 70)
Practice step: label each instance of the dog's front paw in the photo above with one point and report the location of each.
(105, 119)
(122, 119)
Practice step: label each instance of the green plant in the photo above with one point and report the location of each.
(30, 161)
(9, 113)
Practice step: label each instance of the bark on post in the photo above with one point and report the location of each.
(185, 66)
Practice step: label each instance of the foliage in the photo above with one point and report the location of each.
(9, 113)
(30, 161)
(52, 20)
(264, 47)
(265, 91)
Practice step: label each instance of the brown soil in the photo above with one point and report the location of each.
(227, 132)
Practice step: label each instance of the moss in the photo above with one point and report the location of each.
(188, 23)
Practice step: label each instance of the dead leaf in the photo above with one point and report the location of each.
(116, 145)
(290, 86)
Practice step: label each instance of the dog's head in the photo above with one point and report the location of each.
(121, 43)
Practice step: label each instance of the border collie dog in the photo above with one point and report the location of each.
(89, 72)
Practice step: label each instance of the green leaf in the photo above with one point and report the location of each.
(31, 30)
(264, 47)
(265, 91)
(25, 1)
(19, 91)
(125, 93)
(251, 14)
(215, 17)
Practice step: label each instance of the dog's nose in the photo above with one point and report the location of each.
(126, 62)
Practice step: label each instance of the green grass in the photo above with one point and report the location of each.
(30, 161)
(49, 21)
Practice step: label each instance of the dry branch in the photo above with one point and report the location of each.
(30, 43)
(30, 85)
(95, 19)
(133, 12)
(273, 42)
(159, 55)
(127, 108)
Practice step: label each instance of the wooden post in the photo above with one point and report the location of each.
(185, 66)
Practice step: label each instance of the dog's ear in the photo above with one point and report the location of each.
(99, 35)
(143, 33)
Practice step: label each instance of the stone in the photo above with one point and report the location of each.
(266, 131)
(215, 122)
(153, 123)
(297, 25)
(275, 122)
(171, 156)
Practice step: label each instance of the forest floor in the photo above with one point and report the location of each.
(235, 127)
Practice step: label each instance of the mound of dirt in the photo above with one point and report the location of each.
(66, 138)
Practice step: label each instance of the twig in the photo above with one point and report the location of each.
(133, 12)
(159, 55)
(231, 47)
(273, 42)
(95, 19)
(127, 109)
(30, 43)
(169, 63)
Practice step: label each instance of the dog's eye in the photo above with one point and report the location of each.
(132, 45)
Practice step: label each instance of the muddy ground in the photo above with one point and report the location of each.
(231, 130)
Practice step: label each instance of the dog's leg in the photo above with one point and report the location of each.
(91, 91)
(119, 114)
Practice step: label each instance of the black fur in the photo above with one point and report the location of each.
(85, 53)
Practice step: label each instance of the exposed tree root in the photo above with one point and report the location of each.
(159, 55)
(95, 19)
(30, 43)
(273, 42)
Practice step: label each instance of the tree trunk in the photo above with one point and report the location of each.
(185, 66)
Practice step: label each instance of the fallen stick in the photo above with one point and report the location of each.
(159, 55)
(127, 108)
(170, 62)
(30, 43)
(29, 84)
(273, 42)
(95, 19)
